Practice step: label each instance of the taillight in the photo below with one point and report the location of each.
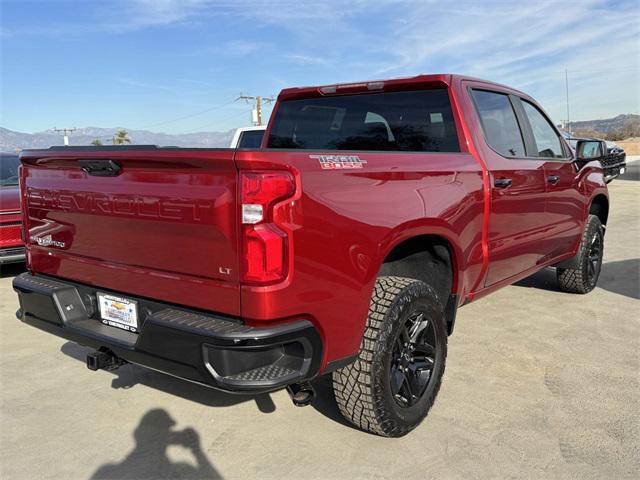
(266, 241)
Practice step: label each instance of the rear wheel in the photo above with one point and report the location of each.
(392, 385)
(584, 277)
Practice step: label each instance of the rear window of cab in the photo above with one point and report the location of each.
(418, 121)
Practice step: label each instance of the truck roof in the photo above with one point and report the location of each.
(444, 79)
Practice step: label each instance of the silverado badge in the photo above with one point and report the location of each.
(47, 241)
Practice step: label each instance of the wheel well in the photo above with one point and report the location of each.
(427, 258)
(600, 208)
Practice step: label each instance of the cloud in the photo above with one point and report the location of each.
(140, 14)
(524, 44)
(527, 45)
(499, 35)
(130, 82)
(302, 59)
(243, 47)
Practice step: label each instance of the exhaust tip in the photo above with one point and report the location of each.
(302, 394)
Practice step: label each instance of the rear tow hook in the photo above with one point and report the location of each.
(302, 394)
(104, 359)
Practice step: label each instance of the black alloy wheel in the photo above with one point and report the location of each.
(413, 359)
(581, 273)
(594, 258)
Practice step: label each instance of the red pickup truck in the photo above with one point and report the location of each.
(345, 244)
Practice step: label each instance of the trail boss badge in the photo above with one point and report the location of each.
(339, 162)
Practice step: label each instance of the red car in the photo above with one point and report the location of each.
(11, 245)
(344, 245)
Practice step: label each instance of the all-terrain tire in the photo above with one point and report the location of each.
(581, 279)
(363, 389)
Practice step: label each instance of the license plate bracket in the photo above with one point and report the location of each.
(118, 312)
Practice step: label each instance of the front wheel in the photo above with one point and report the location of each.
(584, 277)
(392, 385)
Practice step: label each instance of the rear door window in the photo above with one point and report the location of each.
(251, 139)
(547, 139)
(499, 123)
(420, 121)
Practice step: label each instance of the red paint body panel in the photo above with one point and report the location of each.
(167, 226)
(162, 229)
(10, 217)
(9, 199)
(345, 225)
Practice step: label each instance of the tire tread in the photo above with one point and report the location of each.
(354, 385)
(574, 280)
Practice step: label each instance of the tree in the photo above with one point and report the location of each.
(96, 142)
(121, 137)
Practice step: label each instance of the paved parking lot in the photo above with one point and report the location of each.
(539, 384)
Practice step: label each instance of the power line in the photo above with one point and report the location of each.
(65, 132)
(216, 122)
(257, 117)
(195, 114)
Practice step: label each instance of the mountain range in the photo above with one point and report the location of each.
(11, 140)
(606, 125)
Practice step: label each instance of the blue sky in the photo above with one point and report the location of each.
(149, 63)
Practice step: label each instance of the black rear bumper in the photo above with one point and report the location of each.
(216, 351)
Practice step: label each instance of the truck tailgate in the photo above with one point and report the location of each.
(158, 223)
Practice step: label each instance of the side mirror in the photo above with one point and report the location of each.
(588, 150)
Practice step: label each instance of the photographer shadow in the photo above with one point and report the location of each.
(130, 375)
(149, 459)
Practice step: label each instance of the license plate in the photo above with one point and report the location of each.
(118, 312)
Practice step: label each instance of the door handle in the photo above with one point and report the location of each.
(502, 182)
(553, 179)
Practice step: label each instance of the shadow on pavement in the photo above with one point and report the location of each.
(325, 401)
(149, 460)
(129, 375)
(544, 280)
(12, 269)
(622, 277)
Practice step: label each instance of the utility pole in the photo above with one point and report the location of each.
(257, 111)
(566, 84)
(65, 132)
